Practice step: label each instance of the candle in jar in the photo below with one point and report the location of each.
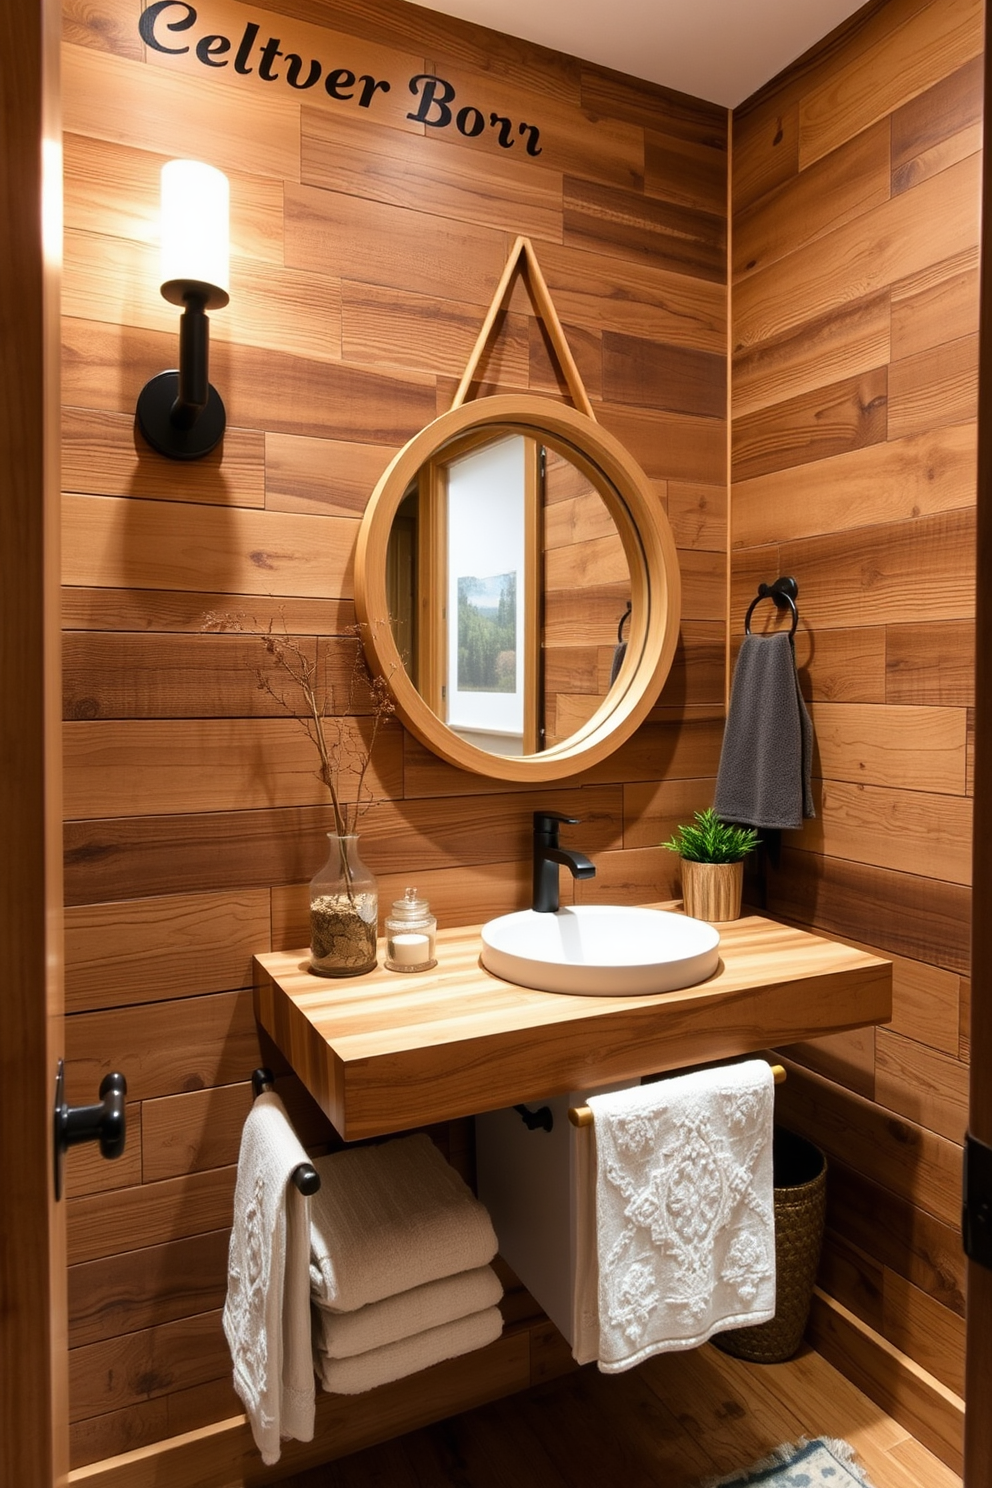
(409, 949)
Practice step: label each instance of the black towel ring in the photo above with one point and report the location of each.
(784, 592)
(623, 621)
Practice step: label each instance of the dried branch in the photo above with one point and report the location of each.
(342, 760)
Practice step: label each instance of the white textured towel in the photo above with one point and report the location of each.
(340, 1335)
(390, 1218)
(675, 1228)
(396, 1360)
(267, 1312)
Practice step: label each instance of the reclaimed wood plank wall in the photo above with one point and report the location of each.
(854, 358)
(366, 247)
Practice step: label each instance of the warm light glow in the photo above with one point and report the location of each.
(195, 232)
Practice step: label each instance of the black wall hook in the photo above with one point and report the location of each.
(784, 592)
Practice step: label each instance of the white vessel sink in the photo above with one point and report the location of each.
(601, 950)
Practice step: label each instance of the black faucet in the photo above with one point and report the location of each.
(547, 856)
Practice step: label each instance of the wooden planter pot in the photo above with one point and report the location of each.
(712, 891)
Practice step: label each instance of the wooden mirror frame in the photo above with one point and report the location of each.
(654, 586)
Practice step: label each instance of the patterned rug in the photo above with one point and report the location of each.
(806, 1464)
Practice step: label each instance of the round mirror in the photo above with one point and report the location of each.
(518, 586)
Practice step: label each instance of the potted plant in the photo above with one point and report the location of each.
(712, 853)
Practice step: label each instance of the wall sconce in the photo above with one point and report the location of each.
(179, 413)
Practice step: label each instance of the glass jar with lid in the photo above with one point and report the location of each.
(410, 931)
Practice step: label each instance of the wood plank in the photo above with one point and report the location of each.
(184, 1043)
(428, 333)
(845, 666)
(213, 675)
(912, 749)
(127, 1293)
(416, 1052)
(930, 308)
(697, 515)
(191, 1133)
(178, 545)
(655, 107)
(698, 673)
(579, 141)
(669, 446)
(544, 373)
(636, 298)
(936, 40)
(126, 858)
(927, 1087)
(99, 458)
(182, 612)
(392, 247)
(87, 1171)
(905, 1240)
(262, 389)
(338, 52)
(116, 1432)
(127, 103)
(765, 150)
(814, 426)
(115, 280)
(334, 477)
(357, 158)
(196, 943)
(457, 896)
(919, 227)
(899, 1385)
(924, 129)
(692, 173)
(115, 189)
(634, 876)
(155, 1213)
(925, 999)
(908, 829)
(919, 918)
(844, 342)
(192, 765)
(912, 1162)
(908, 572)
(111, 29)
(846, 1058)
(224, 1451)
(120, 1371)
(648, 374)
(923, 473)
(935, 387)
(627, 224)
(931, 664)
(820, 198)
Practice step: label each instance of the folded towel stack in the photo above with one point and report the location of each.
(399, 1273)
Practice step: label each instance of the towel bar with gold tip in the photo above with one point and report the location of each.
(305, 1177)
(582, 1116)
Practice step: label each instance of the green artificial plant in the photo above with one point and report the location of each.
(710, 840)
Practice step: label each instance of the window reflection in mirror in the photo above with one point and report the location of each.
(507, 582)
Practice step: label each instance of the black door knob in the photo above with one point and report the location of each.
(104, 1123)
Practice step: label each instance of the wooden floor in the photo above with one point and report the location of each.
(668, 1424)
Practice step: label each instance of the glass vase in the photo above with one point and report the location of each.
(344, 912)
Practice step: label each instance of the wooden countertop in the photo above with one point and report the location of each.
(387, 1051)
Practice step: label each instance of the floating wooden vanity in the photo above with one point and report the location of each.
(387, 1051)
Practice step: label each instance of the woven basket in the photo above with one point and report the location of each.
(800, 1170)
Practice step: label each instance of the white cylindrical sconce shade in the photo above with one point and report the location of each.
(195, 232)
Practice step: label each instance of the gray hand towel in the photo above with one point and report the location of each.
(767, 755)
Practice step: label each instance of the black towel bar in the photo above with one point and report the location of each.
(784, 592)
(306, 1177)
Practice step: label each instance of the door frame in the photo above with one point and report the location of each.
(33, 1348)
